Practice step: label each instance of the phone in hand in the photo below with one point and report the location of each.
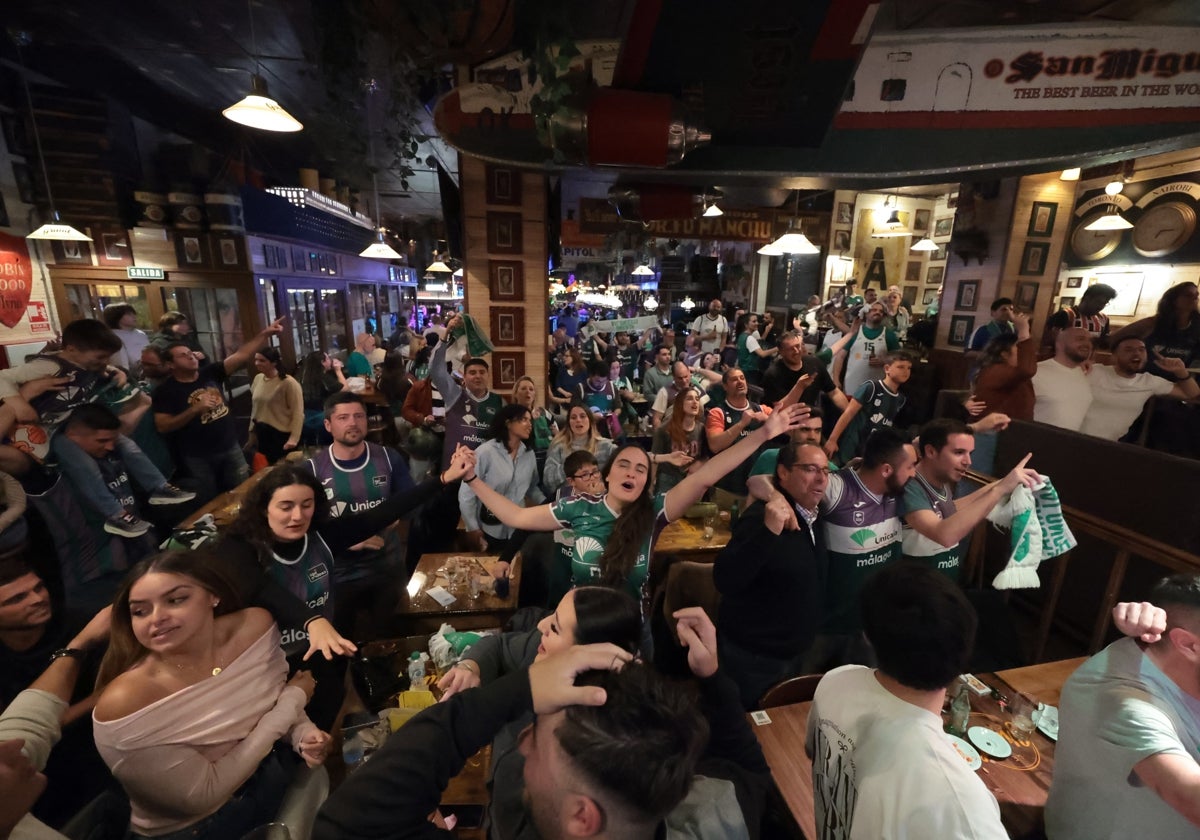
(469, 816)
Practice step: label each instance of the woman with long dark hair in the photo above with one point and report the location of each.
(394, 381)
(683, 433)
(1004, 381)
(507, 463)
(277, 407)
(193, 697)
(614, 534)
(319, 379)
(579, 432)
(281, 551)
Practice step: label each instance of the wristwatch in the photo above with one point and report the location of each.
(74, 653)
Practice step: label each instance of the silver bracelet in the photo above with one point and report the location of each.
(467, 665)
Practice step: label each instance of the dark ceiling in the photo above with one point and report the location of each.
(178, 64)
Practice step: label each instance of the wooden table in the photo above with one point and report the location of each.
(1020, 783)
(685, 538)
(418, 612)
(224, 508)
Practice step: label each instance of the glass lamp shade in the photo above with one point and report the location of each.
(379, 249)
(643, 271)
(713, 210)
(258, 110)
(1109, 221)
(924, 244)
(439, 267)
(769, 250)
(59, 231)
(795, 243)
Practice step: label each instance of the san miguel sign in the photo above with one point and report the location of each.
(1030, 78)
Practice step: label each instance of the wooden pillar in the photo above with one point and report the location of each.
(505, 273)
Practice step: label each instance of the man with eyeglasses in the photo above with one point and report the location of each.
(771, 577)
(792, 363)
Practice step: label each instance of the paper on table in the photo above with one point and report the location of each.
(440, 595)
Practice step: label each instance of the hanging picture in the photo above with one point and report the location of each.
(939, 255)
(508, 326)
(506, 279)
(112, 248)
(1033, 258)
(961, 327)
(845, 213)
(1074, 282)
(921, 221)
(841, 240)
(1027, 295)
(935, 274)
(929, 296)
(504, 233)
(1065, 302)
(67, 252)
(968, 291)
(909, 294)
(943, 226)
(1041, 218)
(503, 185)
(507, 368)
(912, 272)
(191, 251)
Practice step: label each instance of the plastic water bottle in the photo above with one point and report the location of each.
(416, 670)
(960, 712)
(353, 752)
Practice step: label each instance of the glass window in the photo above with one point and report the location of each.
(90, 301)
(302, 312)
(364, 315)
(333, 318)
(213, 314)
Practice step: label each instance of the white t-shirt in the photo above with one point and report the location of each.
(1117, 401)
(1117, 709)
(883, 769)
(1063, 395)
(705, 324)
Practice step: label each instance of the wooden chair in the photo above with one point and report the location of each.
(792, 690)
(690, 584)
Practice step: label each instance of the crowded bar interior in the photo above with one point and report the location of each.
(818, 379)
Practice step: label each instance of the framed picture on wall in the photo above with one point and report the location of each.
(1027, 295)
(921, 220)
(1074, 282)
(841, 240)
(961, 327)
(506, 279)
(1041, 218)
(67, 252)
(503, 185)
(1067, 301)
(507, 368)
(943, 226)
(845, 213)
(912, 272)
(1033, 258)
(230, 253)
(113, 249)
(508, 326)
(935, 274)
(929, 296)
(968, 293)
(909, 294)
(190, 251)
(939, 255)
(504, 233)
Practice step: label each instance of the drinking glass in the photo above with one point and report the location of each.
(710, 522)
(1023, 716)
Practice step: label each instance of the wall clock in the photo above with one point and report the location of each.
(1094, 244)
(1164, 228)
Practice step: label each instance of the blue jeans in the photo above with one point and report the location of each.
(84, 474)
(216, 473)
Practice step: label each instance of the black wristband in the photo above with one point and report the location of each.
(73, 653)
(469, 480)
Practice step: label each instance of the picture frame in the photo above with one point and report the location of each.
(191, 251)
(506, 279)
(921, 220)
(504, 233)
(952, 200)
(841, 240)
(845, 213)
(113, 248)
(503, 185)
(939, 255)
(507, 368)
(1128, 285)
(1041, 218)
(1027, 293)
(968, 295)
(908, 294)
(231, 254)
(961, 329)
(1065, 302)
(935, 274)
(67, 252)
(508, 326)
(943, 226)
(929, 296)
(912, 272)
(1033, 259)
(1074, 282)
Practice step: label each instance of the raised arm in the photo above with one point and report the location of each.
(970, 510)
(440, 377)
(245, 353)
(510, 513)
(687, 492)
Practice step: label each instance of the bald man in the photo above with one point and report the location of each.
(1060, 386)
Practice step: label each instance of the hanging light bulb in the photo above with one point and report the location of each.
(259, 110)
(438, 266)
(769, 250)
(924, 244)
(650, 303)
(688, 304)
(713, 210)
(1070, 174)
(643, 271)
(1114, 187)
(379, 249)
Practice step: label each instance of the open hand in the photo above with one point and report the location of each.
(783, 421)
(324, 638)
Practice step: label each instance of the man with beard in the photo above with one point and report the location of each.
(712, 328)
(866, 351)
(731, 420)
(935, 524)
(1060, 387)
(358, 476)
(1120, 391)
(794, 362)
(860, 517)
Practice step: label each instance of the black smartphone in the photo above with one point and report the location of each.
(469, 816)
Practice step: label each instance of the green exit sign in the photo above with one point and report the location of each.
(135, 272)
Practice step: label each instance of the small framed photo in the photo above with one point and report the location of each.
(841, 240)
(921, 221)
(67, 252)
(504, 233)
(939, 255)
(1041, 218)
(506, 279)
(1074, 282)
(929, 296)
(952, 201)
(909, 294)
(845, 213)
(503, 185)
(113, 249)
(961, 328)
(912, 272)
(192, 252)
(968, 293)
(1033, 258)
(935, 274)
(229, 251)
(1067, 301)
(943, 226)
(508, 326)
(1027, 295)
(507, 368)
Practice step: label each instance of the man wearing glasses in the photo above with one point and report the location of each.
(771, 578)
